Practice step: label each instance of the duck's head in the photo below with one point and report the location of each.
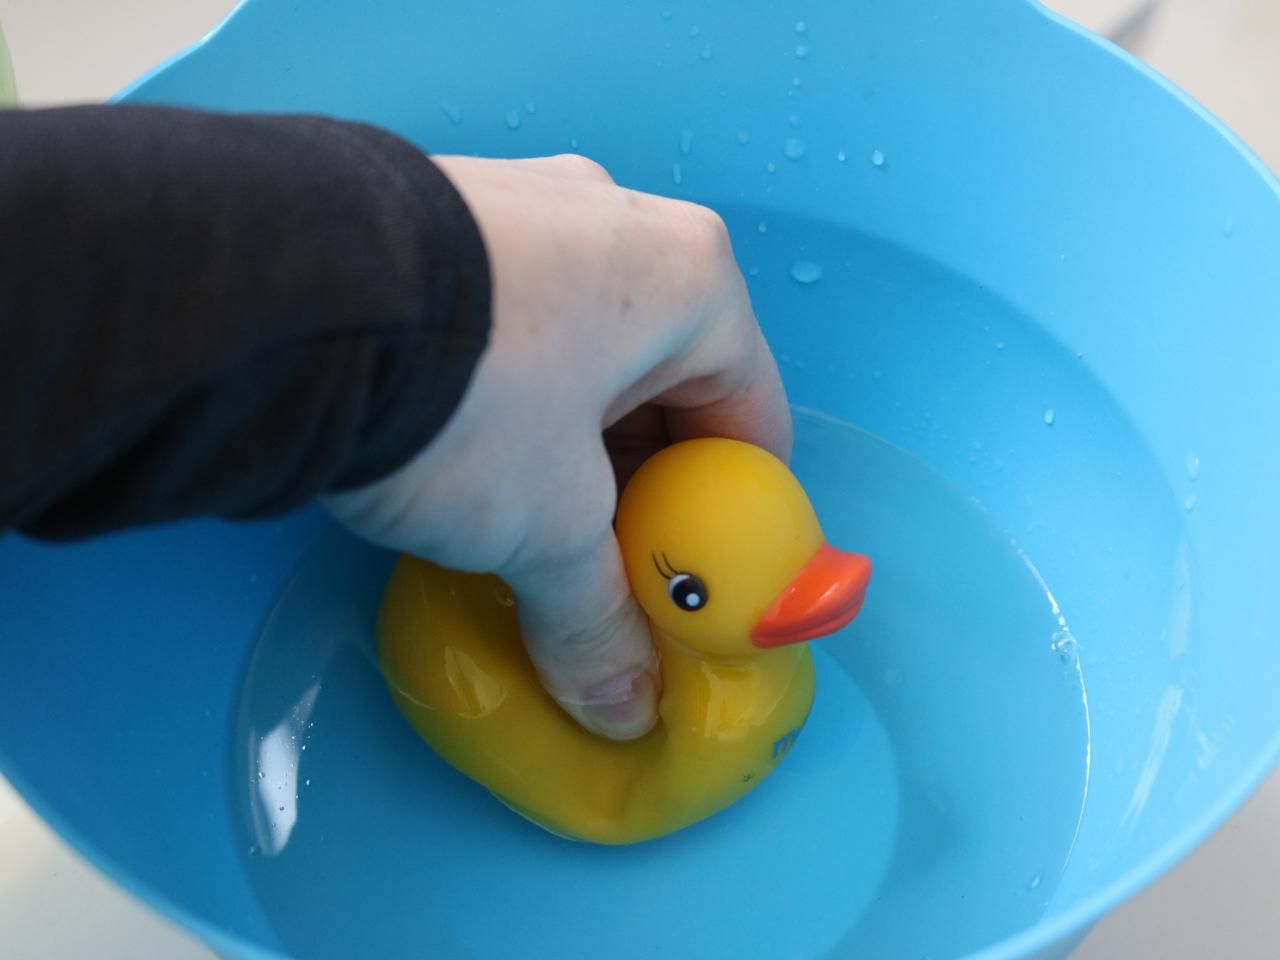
(724, 552)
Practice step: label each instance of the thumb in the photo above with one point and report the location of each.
(589, 639)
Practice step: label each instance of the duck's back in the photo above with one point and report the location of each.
(451, 653)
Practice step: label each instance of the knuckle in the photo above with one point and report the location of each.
(582, 168)
(601, 639)
(707, 279)
(477, 540)
(579, 526)
(709, 264)
(710, 233)
(573, 518)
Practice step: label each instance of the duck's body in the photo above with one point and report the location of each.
(451, 652)
(478, 702)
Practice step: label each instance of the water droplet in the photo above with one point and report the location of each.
(706, 51)
(531, 108)
(513, 119)
(877, 158)
(1033, 882)
(281, 809)
(452, 111)
(744, 137)
(876, 374)
(793, 148)
(304, 746)
(1189, 504)
(666, 13)
(762, 227)
(977, 445)
(806, 271)
(260, 776)
(754, 271)
(795, 81)
(695, 30)
(800, 26)
(1228, 226)
(794, 120)
(677, 177)
(1048, 417)
(840, 156)
(771, 167)
(802, 51)
(999, 344)
(1193, 466)
(307, 782)
(686, 141)
(573, 143)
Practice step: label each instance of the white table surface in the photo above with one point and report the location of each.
(1222, 902)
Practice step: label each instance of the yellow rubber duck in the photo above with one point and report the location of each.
(726, 557)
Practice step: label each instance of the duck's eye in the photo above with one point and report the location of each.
(687, 592)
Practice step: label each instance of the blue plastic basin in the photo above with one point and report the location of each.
(1095, 367)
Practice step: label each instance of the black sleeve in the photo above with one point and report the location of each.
(226, 315)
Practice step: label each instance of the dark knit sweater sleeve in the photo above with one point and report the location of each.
(206, 314)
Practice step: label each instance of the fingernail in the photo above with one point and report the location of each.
(623, 709)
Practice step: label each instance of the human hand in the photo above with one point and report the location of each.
(620, 323)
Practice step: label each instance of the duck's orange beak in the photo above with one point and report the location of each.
(825, 595)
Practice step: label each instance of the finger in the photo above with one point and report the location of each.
(718, 376)
(589, 640)
(743, 399)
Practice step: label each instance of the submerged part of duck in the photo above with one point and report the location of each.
(726, 557)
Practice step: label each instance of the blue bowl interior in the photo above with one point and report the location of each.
(1046, 233)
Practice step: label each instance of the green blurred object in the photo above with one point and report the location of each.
(8, 89)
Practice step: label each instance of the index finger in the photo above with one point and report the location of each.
(743, 399)
(718, 377)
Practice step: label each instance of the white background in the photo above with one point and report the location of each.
(1223, 902)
